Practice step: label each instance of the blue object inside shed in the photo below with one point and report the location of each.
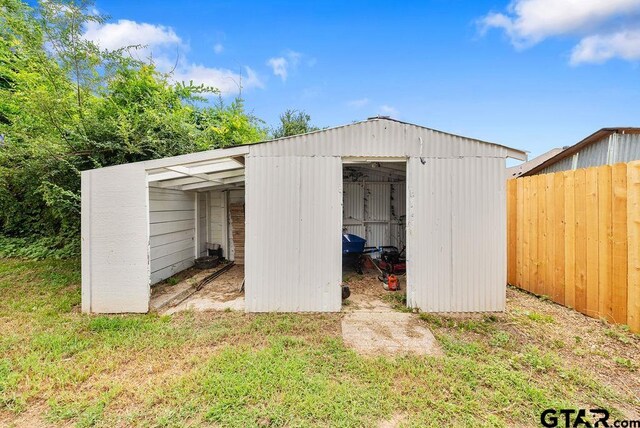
(352, 243)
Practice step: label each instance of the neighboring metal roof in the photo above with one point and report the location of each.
(591, 139)
(518, 170)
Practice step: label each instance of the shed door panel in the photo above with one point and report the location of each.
(293, 243)
(456, 235)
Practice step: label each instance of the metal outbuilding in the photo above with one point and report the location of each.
(143, 222)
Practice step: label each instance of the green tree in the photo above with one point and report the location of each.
(293, 122)
(67, 106)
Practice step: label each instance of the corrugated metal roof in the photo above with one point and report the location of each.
(382, 137)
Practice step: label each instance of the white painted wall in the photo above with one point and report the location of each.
(172, 232)
(115, 237)
(218, 220)
(293, 240)
(202, 227)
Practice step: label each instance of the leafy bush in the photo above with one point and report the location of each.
(67, 106)
(56, 247)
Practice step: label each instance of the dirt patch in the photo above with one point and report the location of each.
(223, 293)
(33, 417)
(608, 351)
(368, 292)
(226, 287)
(393, 422)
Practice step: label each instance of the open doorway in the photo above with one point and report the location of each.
(374, 231)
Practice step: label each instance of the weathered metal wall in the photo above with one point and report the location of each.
(375, 211)
(293, 242)
(171, 232)
(616, 148)
(628, 148)
(115, 239)
(456, 234)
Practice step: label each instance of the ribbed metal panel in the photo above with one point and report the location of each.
(612, 149)
(377, 202)
(353, 202)
(595, 154)
(565, 164)
(356, 229)
(383, 138)
(456, 235)
(293, 214)
(377, 234)
(398, 235)
(628, 147)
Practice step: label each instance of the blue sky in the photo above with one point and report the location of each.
(532, 74)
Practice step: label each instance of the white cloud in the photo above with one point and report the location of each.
(116, 35)
(359, 103)
(388, 110)
(279, 66)
(168, 52)
(602, 47)
(226, 81)
(218, 48)
(527, 22)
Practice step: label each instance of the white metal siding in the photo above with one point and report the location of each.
(115, 232)
(172, 232)
(293, 241)
(456, 235)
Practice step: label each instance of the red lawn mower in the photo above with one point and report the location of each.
(392, 261)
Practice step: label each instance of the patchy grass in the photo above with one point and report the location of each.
(60, 367)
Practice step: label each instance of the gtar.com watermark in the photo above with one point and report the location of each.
(573, 418)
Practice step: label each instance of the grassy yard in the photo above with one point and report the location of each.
(61, 368)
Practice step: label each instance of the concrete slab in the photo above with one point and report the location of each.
(371, 326)
(391, 333)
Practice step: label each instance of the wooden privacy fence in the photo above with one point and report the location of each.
(574, 236)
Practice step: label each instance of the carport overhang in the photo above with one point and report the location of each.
(220, 169)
